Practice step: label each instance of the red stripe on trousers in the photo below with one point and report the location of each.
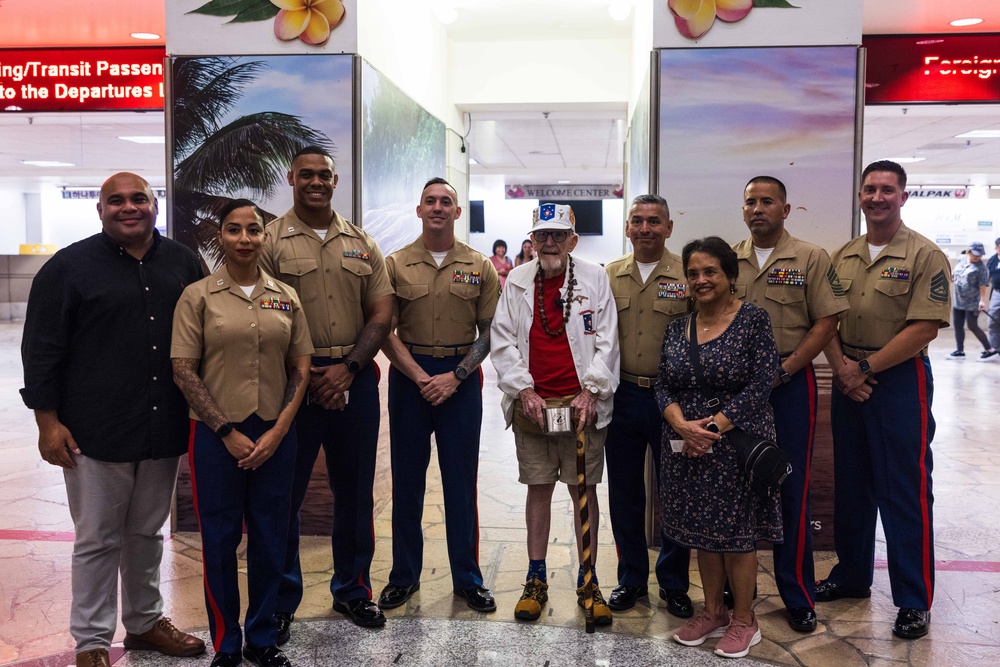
(800, 547)
(924, 503)
(220, 624)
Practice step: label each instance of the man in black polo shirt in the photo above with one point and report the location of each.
(96, 353)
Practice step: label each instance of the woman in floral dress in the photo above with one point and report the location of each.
(706, 501)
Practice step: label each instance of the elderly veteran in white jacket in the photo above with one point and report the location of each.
(554, 343)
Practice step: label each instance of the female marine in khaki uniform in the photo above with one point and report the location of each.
(240, 352)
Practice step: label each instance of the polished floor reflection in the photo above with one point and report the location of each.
(436, 628)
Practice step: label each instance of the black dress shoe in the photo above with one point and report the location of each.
(678, 602)
(912, 623)
(827, 591)
(362, 611)
(226, 660)
(479, 599)
(284, 620)
(396, 596)
(801, 619)
(624, 597)
(268, 656)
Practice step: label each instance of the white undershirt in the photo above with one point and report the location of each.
(645, 268)
(874, 250)
(321, 233)
(763, 254)
(438, 256)
(247, 289)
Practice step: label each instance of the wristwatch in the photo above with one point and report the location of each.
(865, 367)
(461, 373)
(353, 366)
(712, 426)
(224, 430)
(783, 375)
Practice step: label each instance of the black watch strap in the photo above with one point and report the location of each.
(353, 366)
(461, 374)
(224, 430)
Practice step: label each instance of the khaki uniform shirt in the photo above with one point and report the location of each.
(645, 309)
(242, 341)
(335, 278)
(438, 306)
(910, 280)
(796, 286)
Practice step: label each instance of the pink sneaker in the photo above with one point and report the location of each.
(701, 627)
(738, 639)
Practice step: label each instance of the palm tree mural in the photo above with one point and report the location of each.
(215, 162)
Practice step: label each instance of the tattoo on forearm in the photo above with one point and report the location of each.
(368, 342)
(480, 347)
(294, 382)
(196, 393)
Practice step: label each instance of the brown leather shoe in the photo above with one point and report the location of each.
(166, 639)
(98, 657)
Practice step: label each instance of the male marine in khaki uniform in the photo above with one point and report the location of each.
(649, 289)
(898, 284)
(794, 282)
(340, 276)
(446, 292)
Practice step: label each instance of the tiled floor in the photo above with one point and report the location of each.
(435, 628)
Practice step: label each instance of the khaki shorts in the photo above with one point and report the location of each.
(546, 459)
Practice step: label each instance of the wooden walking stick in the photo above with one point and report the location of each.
(588, 567)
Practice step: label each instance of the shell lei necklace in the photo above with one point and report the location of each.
(706, 327)
(540, 283)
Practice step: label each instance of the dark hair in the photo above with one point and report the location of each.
(520, 255)
(655, 200)
(997, 242)
(769, 179)
(717, 248)
(886, 165)
(239, 203)
(437, 180)
(499, 243)
(314, 150)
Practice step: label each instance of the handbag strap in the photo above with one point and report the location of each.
(699, 377)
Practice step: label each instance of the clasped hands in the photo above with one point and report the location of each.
(853, 382)
(583, 406)
(697, 438)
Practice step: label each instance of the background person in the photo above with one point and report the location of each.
(648, 286)
(706, 500)
(500, 260)
(526, 255)
(240, 353)
(97, 374)
(993, 266)
(555, 342)
(339, 274)
(972, 284)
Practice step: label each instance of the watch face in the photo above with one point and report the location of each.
(461, 373)
(353, 366)
(865, 366)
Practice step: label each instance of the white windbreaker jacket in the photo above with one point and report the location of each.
(592, 330)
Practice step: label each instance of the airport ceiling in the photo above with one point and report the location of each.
(580, 144)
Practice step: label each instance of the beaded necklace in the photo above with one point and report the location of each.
(540, 282)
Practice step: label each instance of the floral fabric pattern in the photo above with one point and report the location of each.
(706, 502)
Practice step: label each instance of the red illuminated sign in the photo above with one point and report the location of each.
(932, 68)
(124, 79)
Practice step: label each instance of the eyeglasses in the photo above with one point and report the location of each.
(542, 236)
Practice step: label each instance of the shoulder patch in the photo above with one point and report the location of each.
(834, 280)
(939, 288)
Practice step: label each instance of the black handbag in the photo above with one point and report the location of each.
(764, 463)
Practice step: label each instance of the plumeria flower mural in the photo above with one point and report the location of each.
(308, 20)
(312, 21)
(695, 17)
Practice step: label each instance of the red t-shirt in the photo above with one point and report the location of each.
(550, 361)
